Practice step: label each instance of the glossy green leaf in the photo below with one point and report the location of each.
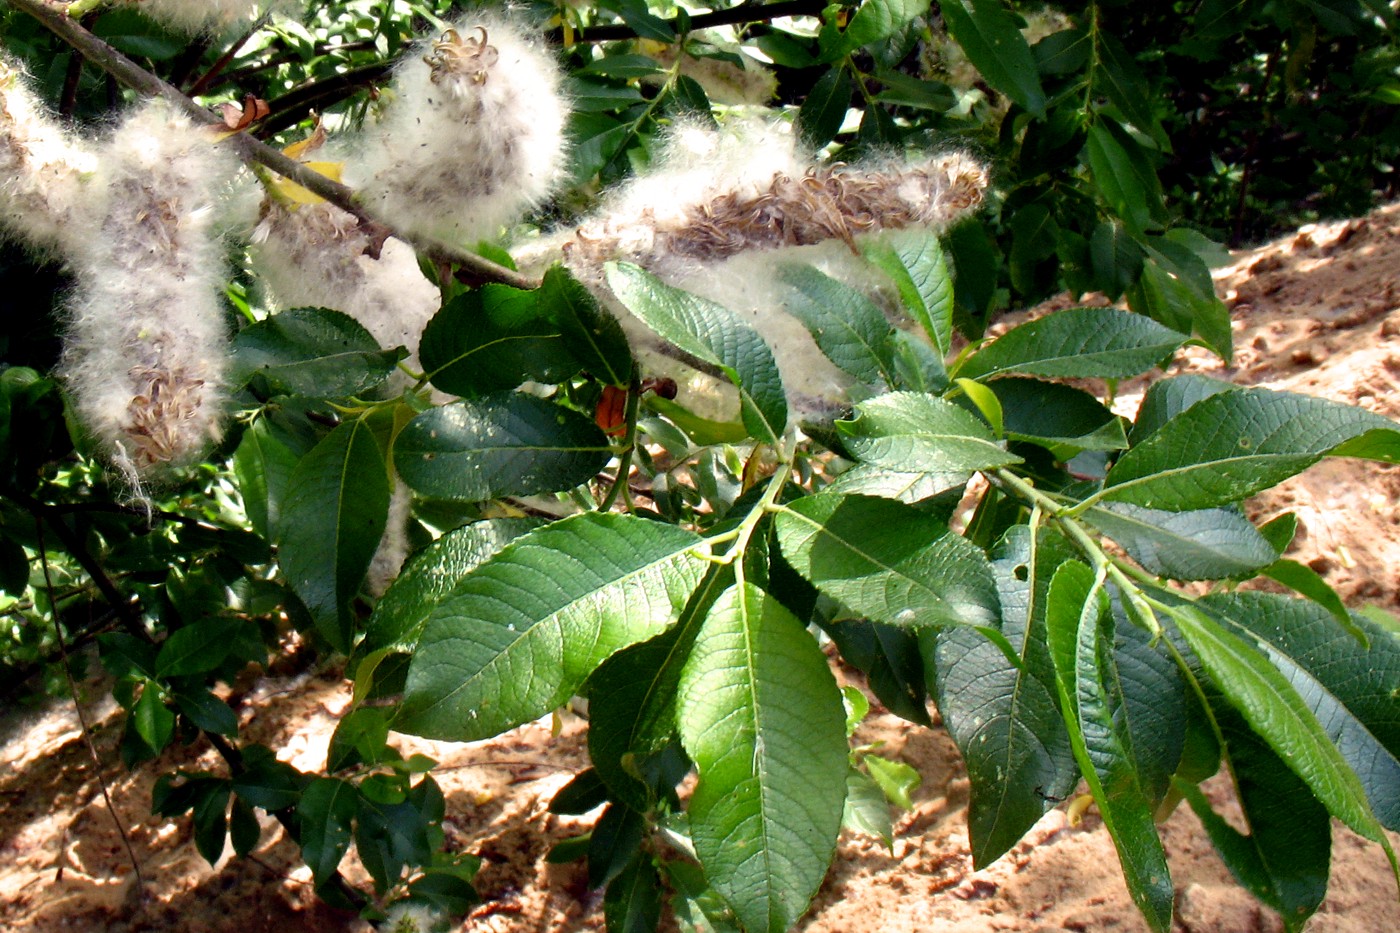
(846, 325)
(1115, 256)
(1005, 718)
(311, 351)
(1170, 397)
(1234, 444)
(211, 820)
(913, 259)
(1350, 689)
(591, 334)
(914, 432)
(632, 901)
(151, 719)
(336, 507)
(518, 636)
(989, 36)
(631, 700)
(714, 334)
(207, 711)
(824, 110)
(1082, 342)
(1175, 288)
(507, 444)
(1080, 645)
(1123, 172)
(1308, 582)
(434, 572)
(325, 813)
(1118, 78)
(195, 648)
(1274, 708)
(243, 829)
(761, 717)
(1208, 544)
(491, 339)
(1283, 859)
(264, 464)
(867, 479)
(1052, 414)
(888, 561)
(390, 836)
(895, 779)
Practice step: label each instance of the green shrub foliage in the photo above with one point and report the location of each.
(661, 479)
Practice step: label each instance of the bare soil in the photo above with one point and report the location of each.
(1315, 312)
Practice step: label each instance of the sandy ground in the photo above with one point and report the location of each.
(1316, 312)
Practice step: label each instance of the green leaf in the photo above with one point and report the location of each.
(264, 464)
(714, 334)
(325, 813)
(389, 836)
(1170, 397)
(1208, 544)
(631, 700)
(867, 810)
(311, 351)
(622, 66)
(195, 648)
(913, 259)
(211, 820)
(434, 572)
(911, 431)
(1076, 617)
(866, 479)
(1349, 689)
(267, 782)
(491, 339)
(1005, 717)
(824, 110)
(1283, 860)
(524, 629)
(207, 711)
(1103, 343)
(1304, 580)
(877, 20)
(591, 334)
(1119, 79)
(1282, 717)
(1115, 256)
(846, 325)
(1052, 415)
(888, 561)
(1123, 172)
(632, 902)
(336, 507)
(989, 36)
(1235, 444)
(152, 720)
(243, 828)
(507, 444)
(761, 717)
(615, 841)
(895, 778)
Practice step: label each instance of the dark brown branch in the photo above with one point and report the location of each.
(744, 13)
(53, 17)
(292, 107)
(217, 68)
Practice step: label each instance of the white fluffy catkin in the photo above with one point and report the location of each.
(314, 255)
(145, 351)
(472, 137)
(723, 209)
(44, 170)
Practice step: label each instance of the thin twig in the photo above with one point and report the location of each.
(54, 18)
(78, 708)
(744, 13)
(200, 85)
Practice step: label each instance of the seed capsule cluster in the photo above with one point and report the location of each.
(145, 353)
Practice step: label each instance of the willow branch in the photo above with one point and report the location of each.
(743, 13)
(54, 17)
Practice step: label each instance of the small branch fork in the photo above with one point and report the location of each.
(54, 17)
